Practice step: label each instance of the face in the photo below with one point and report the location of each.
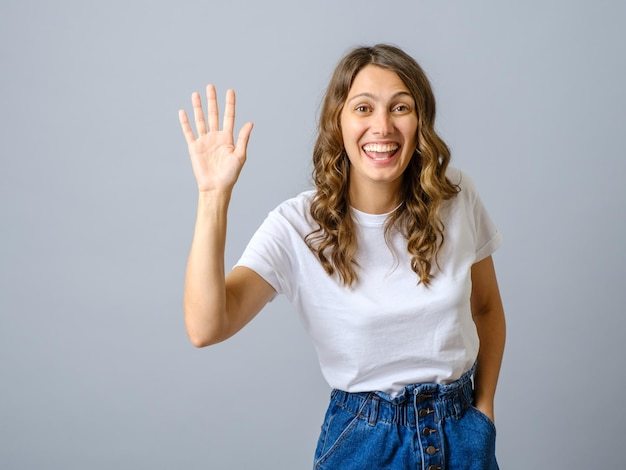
(379, 127)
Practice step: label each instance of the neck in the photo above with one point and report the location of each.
(376, 199)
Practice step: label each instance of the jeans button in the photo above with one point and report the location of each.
(431, 450)
(433, 467)
(422, 397)
(424, 412)
(428, 431)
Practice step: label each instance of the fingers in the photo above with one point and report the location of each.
(198, 114)
(213, 117)
(185, 126)
(212, 112)
(229, 112)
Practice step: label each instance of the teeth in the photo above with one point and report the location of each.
(381, 147)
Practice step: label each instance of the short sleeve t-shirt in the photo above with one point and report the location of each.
(388, 330)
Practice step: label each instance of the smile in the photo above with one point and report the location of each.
(381, 152)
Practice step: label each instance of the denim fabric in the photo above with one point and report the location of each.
(426, 427)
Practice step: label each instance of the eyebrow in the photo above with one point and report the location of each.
(371, 96)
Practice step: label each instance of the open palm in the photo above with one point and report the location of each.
(215, 157)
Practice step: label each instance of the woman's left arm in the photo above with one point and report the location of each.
(488, 315)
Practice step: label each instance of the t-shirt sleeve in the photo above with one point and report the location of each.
(487, 236)
(268, 252)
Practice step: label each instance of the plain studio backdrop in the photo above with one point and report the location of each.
(98, 203)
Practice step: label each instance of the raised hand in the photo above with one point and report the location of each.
(215, 157)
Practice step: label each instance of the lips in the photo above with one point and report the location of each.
(381, 151)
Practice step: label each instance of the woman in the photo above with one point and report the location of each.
(388, 261)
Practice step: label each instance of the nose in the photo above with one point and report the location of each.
(383, 123)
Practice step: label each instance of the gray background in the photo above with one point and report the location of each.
(98, 203)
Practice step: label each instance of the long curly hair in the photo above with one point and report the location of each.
(424, 184)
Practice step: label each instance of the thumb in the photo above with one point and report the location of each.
(242, 138)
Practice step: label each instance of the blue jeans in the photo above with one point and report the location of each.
(426, 427)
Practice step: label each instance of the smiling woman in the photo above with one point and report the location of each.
(388, 262)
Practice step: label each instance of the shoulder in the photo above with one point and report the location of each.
(293, 213)
(299, 204)
(458, 177)
(463, 181)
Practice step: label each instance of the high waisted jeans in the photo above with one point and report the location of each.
(426, 427)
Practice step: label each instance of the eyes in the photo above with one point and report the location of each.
(395, 109)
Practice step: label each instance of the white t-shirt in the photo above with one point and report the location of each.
(387, 331)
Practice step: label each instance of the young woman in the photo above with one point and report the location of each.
(388, 261)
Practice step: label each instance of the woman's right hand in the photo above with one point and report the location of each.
(215, 158)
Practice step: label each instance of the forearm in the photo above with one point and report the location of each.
(491, 328)
(205, 292)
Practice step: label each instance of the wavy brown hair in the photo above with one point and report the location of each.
(424, 184)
